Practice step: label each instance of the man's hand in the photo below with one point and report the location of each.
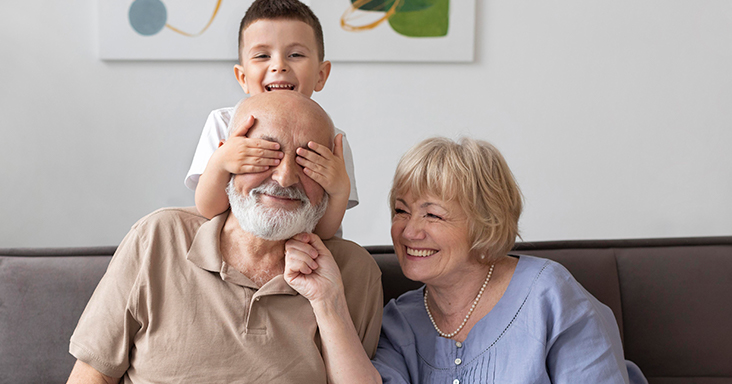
(327, 168)
(240, 154)
(310, 268)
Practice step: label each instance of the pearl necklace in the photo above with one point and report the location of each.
(472, 308)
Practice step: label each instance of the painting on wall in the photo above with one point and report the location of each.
(169, 29)
(355, 30)
(397, 30)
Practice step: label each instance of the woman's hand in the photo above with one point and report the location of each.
(311, 270)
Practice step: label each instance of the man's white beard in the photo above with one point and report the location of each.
(274, 223)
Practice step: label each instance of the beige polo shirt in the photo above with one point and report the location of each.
(169, 310)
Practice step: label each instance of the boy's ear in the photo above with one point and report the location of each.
(240, 77)
(323, 74)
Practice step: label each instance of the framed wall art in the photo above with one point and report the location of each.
(355, 30)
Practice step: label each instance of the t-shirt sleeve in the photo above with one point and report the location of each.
(584, 344)
(213, 132)
(105, 332)
(348, 159)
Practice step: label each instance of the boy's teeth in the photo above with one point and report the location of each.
(421, 252)
(281, 86)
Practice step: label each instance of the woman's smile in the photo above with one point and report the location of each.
(420, 252)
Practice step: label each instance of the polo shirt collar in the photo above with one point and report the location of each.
(205, 252)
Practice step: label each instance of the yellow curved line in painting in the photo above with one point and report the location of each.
(355, 6)
(216, 11)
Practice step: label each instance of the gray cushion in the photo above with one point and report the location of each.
(41, 299)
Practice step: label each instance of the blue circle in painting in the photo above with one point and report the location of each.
(148, 17)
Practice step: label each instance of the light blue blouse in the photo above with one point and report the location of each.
(545, 329)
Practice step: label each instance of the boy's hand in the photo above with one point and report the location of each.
(240, 154)
(325, 167)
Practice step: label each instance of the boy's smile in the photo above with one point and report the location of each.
(280, 54)
(279, 86)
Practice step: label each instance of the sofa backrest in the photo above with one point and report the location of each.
(672, 299)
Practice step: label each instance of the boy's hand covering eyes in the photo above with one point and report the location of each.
(240, 154)
(325, 167)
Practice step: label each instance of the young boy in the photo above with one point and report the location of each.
(280, 49)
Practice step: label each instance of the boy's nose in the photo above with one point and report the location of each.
(279, 65)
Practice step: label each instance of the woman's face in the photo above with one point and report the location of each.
(431, 240)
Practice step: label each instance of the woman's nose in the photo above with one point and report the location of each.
(414, 230)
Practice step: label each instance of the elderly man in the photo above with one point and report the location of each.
(232, 299)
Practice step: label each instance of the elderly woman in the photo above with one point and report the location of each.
(484, 316)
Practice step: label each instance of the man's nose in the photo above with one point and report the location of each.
(286, 173)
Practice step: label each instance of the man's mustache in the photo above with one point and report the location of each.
(271, 188)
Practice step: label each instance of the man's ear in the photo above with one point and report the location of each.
(240, 77)
(323, 74)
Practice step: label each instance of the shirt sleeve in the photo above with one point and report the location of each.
(390, 359)
(370, 326)
(348, 159)
(584, 343)
(361, 278)
(107, 327)
(213, 132)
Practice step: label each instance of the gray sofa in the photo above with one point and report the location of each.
(672, 299)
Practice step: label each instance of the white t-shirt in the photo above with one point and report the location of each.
(216, 129)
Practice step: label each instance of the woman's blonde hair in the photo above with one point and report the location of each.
(473, 173)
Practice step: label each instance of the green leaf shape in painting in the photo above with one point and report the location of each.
(373, 5)
(385, 5)
(429, 22)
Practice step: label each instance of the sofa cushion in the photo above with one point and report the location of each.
(677, 310)
(41, 300)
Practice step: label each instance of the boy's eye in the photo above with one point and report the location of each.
(297, 55)
(261, 56)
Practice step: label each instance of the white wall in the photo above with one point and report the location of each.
(616, 118)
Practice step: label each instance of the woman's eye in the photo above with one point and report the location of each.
(399, 211)
(433, 216)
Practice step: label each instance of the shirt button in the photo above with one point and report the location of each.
(456, 381)
(458, 361)
(458, 344)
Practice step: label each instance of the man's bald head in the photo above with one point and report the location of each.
(290, 110)
(283, 200)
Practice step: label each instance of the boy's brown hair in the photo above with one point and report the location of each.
(282, 9)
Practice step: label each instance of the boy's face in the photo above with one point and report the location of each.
(280, 55)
